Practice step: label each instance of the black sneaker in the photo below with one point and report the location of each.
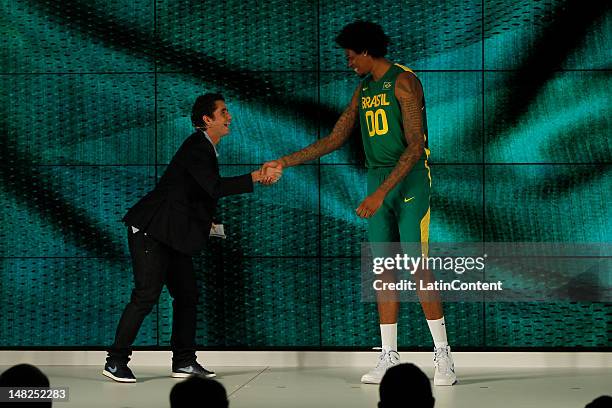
(119, 372)
(189, 369)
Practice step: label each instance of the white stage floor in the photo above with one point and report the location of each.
(339, 387)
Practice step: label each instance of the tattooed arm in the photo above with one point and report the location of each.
(409, 93)
(338, 136)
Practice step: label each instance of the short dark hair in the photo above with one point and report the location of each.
(24, 375)
(600, 402)
(363, 36)
(204, 105)
(211, 393)
(405, 382)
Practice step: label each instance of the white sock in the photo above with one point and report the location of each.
(438, 332)
(388, 335)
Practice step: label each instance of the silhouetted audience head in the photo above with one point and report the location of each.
(605, 401)
(24, 375)
(405, 385)
(198, 391)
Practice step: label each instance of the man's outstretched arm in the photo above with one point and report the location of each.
(409, 93)
(338, 136)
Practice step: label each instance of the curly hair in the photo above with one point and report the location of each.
(363, 36)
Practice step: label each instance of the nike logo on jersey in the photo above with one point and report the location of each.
(407, 200)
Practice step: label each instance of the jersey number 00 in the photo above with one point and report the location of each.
(376, 122)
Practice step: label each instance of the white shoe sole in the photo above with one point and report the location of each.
(185, 375)
(118, 379)
(445, 382)
(369, 380)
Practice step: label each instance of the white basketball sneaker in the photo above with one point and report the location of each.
(444, 367)
(386, 360)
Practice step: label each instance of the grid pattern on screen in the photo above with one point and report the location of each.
(96, 97)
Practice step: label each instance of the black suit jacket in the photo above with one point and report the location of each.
(179, 211)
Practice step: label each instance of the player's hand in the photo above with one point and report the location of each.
(370, 205)
(270, 175)
(271, 172)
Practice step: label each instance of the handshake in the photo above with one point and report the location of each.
(269, 173)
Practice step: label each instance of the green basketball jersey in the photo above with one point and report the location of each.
(380, 118)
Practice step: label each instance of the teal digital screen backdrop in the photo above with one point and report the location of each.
(96, 98)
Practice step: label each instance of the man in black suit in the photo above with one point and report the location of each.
(166, 228)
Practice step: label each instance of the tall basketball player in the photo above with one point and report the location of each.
(389, 106)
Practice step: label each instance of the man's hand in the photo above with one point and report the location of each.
(370, 205)
(271, 171)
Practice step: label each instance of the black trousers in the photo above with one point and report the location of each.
(155, 264)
